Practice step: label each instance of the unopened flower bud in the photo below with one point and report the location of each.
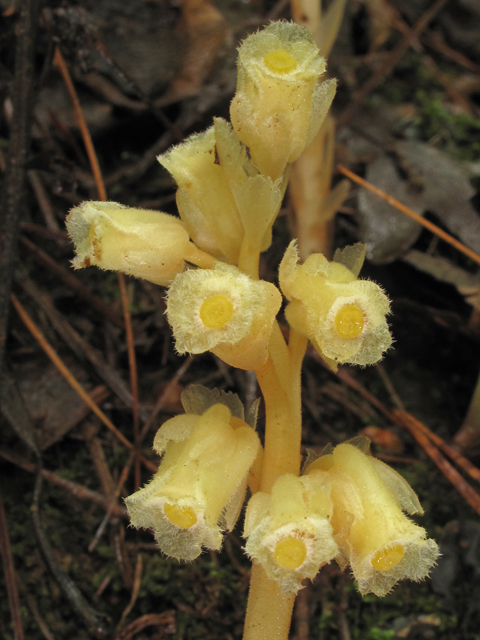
(200, 485)
(379, 542)
(280, 104)
(289, 531)
(342, 316)
(225, 311)
(146, 244)
(205, 202)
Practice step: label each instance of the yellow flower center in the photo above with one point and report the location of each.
(183, 517)
(290, 553)
(349, 321)
(280, 61)
(386, 559)
(216, 312)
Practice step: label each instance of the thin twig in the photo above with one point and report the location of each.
(91, 617)
(10, 576)
(78, 490)
(92, 156)
(39, 337)
(163, 398)
(80, 347)
(388, 64)
(161, 402)
(133, 371)
(102, 194)
(149, 620)
(452, 453)
(470, 495)
(137, 581)
(409, 212)
(404, 419)
(43, 200)
(32, 605)
(435, 41)
(13, 191)
(118, 490)
(72, 282)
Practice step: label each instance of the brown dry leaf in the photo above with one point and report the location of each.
(51, 402)
(381, 15)
(372, 130)
(437, 183)
(388, 233)
(205, 29)
(446, 191)
(468, 284)
(15, 412)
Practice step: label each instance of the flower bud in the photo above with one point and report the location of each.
(342, 316)
(224, 311)
(205, 202)
(375, 537)
(145, 244)
(289, 531)
(257, 197)
(200, 485)
(279, 105)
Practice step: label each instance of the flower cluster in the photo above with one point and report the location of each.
(231, 181)
(347, 506)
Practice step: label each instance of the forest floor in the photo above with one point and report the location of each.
(146, 77)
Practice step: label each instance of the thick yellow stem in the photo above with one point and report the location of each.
(282, 432)
(269, 609)
(280, 355)
(297, 346)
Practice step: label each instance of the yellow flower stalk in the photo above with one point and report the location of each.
(199, 488)
(289, 532)
(225, 311)
(379, 542)
(342, 316)
(280, 103)
(146, 244)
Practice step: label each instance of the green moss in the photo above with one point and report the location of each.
(459, 134)
(380, 634)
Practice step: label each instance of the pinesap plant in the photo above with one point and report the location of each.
(345, 505)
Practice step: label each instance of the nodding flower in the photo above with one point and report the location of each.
(279, 104)
(289, 532)
(375, 537)
(342, 316)
(146, 244)
(225, 311)
(199, 488)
